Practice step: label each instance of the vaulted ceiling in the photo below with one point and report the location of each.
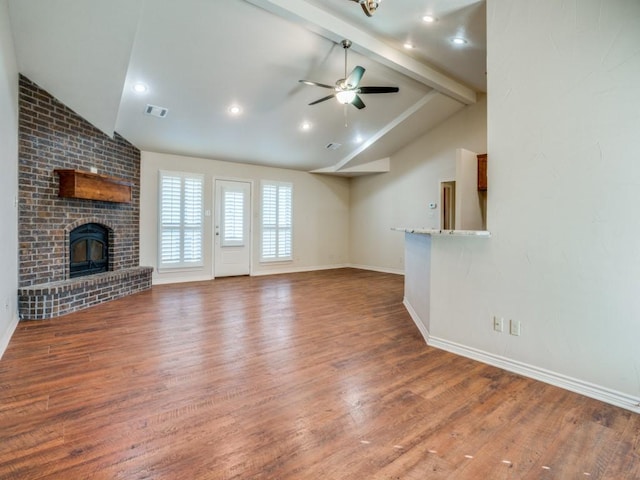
(197, 58)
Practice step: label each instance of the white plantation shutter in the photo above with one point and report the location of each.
(170, 188)
(277, 238)
(193, 221)
(232, 220)
(181, 220)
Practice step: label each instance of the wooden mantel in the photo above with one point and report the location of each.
(93, 186)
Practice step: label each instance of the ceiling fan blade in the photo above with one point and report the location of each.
(378, 90)
(354, 78)
(316, 84)
(323, 99)
(358, 103)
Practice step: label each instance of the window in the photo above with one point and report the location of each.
(232, 220)
(276, 221)
(181, 220)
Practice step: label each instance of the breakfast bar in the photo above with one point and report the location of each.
(417, 270)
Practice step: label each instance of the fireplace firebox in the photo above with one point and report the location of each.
(88, 250)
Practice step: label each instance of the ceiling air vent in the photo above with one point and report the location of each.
(333, 146)
(156, 111)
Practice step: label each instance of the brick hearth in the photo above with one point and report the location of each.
(39, 302)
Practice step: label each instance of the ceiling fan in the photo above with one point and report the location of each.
(369, 6)
(348, 89)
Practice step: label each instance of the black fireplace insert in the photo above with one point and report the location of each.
(88, 250)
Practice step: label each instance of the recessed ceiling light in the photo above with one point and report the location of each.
(409, 46)
(359, 139)
(429, 19)
(305, 126)
(234, 110)
(458, 41)
(140, 87)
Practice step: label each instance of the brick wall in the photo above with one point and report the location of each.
(51, 136)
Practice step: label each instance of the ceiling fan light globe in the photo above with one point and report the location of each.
(346, 96)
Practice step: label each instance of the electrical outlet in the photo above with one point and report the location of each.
(498, 324)
(514, 327)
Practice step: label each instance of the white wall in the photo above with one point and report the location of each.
(417, 279)
(401, 197)
(320, 214)
(8, 180)
(564, 192)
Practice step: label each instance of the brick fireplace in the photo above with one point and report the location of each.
(53, 137)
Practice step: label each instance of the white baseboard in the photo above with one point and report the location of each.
(6, 337)
(274, 270)
(157, 280)
(376, 269)
(284, 269)
(572, 384)
(417, 320)
(587, 389)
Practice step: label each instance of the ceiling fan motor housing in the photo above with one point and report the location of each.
(348, 88)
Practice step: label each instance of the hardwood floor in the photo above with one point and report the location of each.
(306, 376)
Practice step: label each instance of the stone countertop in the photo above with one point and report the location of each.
(444, 233)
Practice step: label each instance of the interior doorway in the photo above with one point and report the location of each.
(448, 203)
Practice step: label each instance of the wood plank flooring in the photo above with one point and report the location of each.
(316, 375)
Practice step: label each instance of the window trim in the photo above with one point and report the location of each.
(278, 185)
(182, 265)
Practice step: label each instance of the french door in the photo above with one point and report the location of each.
(232, 228)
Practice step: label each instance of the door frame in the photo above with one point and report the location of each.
(448, 209)
(215, 220)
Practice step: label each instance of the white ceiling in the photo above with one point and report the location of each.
(200, 56)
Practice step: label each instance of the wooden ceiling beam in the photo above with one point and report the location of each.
(336, 29)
